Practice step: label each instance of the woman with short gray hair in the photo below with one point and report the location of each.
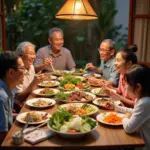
(22, 46)
(26, 51)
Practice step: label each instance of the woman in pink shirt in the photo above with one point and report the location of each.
(124, 59)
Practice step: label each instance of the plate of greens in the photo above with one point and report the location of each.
(66, 125)
(73, 83)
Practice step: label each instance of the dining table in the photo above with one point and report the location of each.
(103, 137)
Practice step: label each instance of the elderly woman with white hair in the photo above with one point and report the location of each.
(26, 51)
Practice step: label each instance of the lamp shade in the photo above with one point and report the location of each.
(76, 10)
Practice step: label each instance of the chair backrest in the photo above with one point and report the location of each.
(145, 63)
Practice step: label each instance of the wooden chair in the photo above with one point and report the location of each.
(145, 63)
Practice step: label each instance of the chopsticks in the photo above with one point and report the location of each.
(85, 68)
(33, 129)
(52, 67)
(25, 126)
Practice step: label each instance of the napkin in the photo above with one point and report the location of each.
(38, 135)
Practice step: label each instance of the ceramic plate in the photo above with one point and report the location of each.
(104, 103)
(73, 107)
(90, 94)
(40, 102)
(92, 75)
(98, 92)
(102, 116)
(82, 78)
(47, 84)
(20, 117)
(52, 92)
(71, 135)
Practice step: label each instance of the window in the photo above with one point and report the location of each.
(139, 28)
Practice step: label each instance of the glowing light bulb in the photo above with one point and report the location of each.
(78, 5)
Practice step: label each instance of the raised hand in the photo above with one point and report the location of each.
(47, 62)
(90, 66)
(127, 115)
(38, 78)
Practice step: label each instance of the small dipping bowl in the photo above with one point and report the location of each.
(18, 138)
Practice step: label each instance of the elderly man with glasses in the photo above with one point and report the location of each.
(107, 69)
(26, 51)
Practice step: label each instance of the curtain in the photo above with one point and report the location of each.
(142, 31)
(142, 38)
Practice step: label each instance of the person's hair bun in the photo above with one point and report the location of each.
(133, 48)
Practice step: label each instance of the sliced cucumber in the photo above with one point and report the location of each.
(64, 128)
(85, 127)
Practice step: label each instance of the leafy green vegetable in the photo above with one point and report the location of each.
(89, 121)
(62, 96)
(58, 119)
(86, 86)
(70, 80)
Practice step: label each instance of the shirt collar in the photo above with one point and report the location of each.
(51, 53)
(5, 86)
(109, 62)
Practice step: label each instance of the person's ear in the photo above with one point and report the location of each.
(129, 63)
(10, 72)
(138, 88)
(112, 52)
(49, 40)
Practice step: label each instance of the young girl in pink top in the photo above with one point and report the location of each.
(124, 59)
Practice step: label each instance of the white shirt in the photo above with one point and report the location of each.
(28, 78)
(140, 120)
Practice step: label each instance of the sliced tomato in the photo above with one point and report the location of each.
(72, 131)
(80, 86)
(70, 99)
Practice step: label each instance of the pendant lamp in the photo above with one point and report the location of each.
(76, 10)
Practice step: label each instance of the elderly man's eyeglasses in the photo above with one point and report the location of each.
(103, 50)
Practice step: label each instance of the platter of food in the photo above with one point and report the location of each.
(35, 117)
(105, 103)
(99, 92)
(110, 118)
(95, 75)
(70, 126)
(62, 72)
(79, 108)
(75, 97)
(40, 102)
(73, 83)
(46, 92)
(72, 76)
(49, 76)
(47, 84)
(79, 72)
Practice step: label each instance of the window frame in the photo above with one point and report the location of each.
(132, 17)
(2, 18)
